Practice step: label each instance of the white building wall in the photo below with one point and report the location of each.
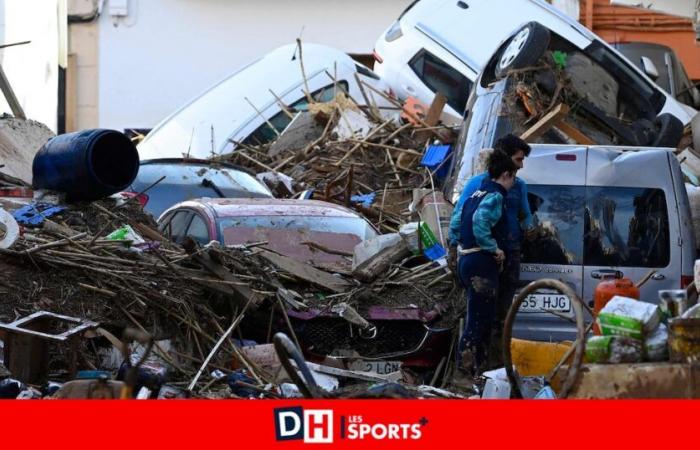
(32, 69)
(164, 52)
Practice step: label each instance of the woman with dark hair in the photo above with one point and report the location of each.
(483, 235)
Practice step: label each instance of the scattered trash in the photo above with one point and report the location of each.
(692, 313)
(673, 303)
(365, 200)
(10, 388)
(684, 340)
(496, 389)
(51, 388)
(35, 213)
(656, 345)
(546, 393)
(628, 317)
(170, 392)
(9, 230)
(613, 349)
(127, 235)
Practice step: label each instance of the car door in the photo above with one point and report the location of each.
(556, 189)
(632, 226)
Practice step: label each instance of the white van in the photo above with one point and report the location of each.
(241, 108)
(442, 45)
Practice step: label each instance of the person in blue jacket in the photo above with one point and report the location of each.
(483, 236)
(519, 218)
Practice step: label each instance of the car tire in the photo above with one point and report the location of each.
(523, 49)
(669, 131)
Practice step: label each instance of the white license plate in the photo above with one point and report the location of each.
(535, 303)
(378, 367)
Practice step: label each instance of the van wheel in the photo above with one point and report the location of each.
(523, 49)
(669, 131)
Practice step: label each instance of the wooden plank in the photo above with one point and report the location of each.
(574, 133)
(379, 263)
(306, 272)
(432, 118)
(435, 110)
(634, 380)
(243, 294)
(10, 96)
(545, 123)
(72, 93)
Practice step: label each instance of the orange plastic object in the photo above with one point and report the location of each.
(607, 289)
(414, 111)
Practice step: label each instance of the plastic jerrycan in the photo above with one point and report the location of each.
(610, 286)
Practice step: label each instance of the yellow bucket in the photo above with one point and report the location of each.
(533, 358)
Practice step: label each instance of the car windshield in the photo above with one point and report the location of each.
(264, 133)
(234, 228)
(635, 91)
(326, 242)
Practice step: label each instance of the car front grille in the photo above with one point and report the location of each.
(323, 336)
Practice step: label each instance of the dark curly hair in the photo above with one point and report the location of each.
(498, 163)
(511, 144)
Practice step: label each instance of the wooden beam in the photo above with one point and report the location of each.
(6, 88)
(549, 120)
(574, 133)
(306, 272)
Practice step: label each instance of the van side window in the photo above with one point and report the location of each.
(598, 226)
(440, 77)
(558, 214)
(264, 133)
(626, 227)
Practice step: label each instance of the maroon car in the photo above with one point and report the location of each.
(397, 333)
(288, 226)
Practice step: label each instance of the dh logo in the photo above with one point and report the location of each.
(314, 426)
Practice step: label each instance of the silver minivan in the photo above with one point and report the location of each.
(598, 209)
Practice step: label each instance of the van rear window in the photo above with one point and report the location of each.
(598, 226)
(558, 215)
(626, 227)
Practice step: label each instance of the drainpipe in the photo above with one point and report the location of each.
(589, 14)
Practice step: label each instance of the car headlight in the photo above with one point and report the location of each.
(394, 32)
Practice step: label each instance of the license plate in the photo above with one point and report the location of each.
(378, 367)
(535, 303)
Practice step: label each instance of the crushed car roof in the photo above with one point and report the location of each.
(229, 207)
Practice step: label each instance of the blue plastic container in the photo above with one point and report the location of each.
(86, 165)
(434, 157)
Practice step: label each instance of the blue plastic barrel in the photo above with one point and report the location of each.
(86, 165)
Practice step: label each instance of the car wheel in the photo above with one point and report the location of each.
(669, 131)
(523, 49)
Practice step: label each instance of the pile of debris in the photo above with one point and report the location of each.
(358, 157)
(104, 266)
